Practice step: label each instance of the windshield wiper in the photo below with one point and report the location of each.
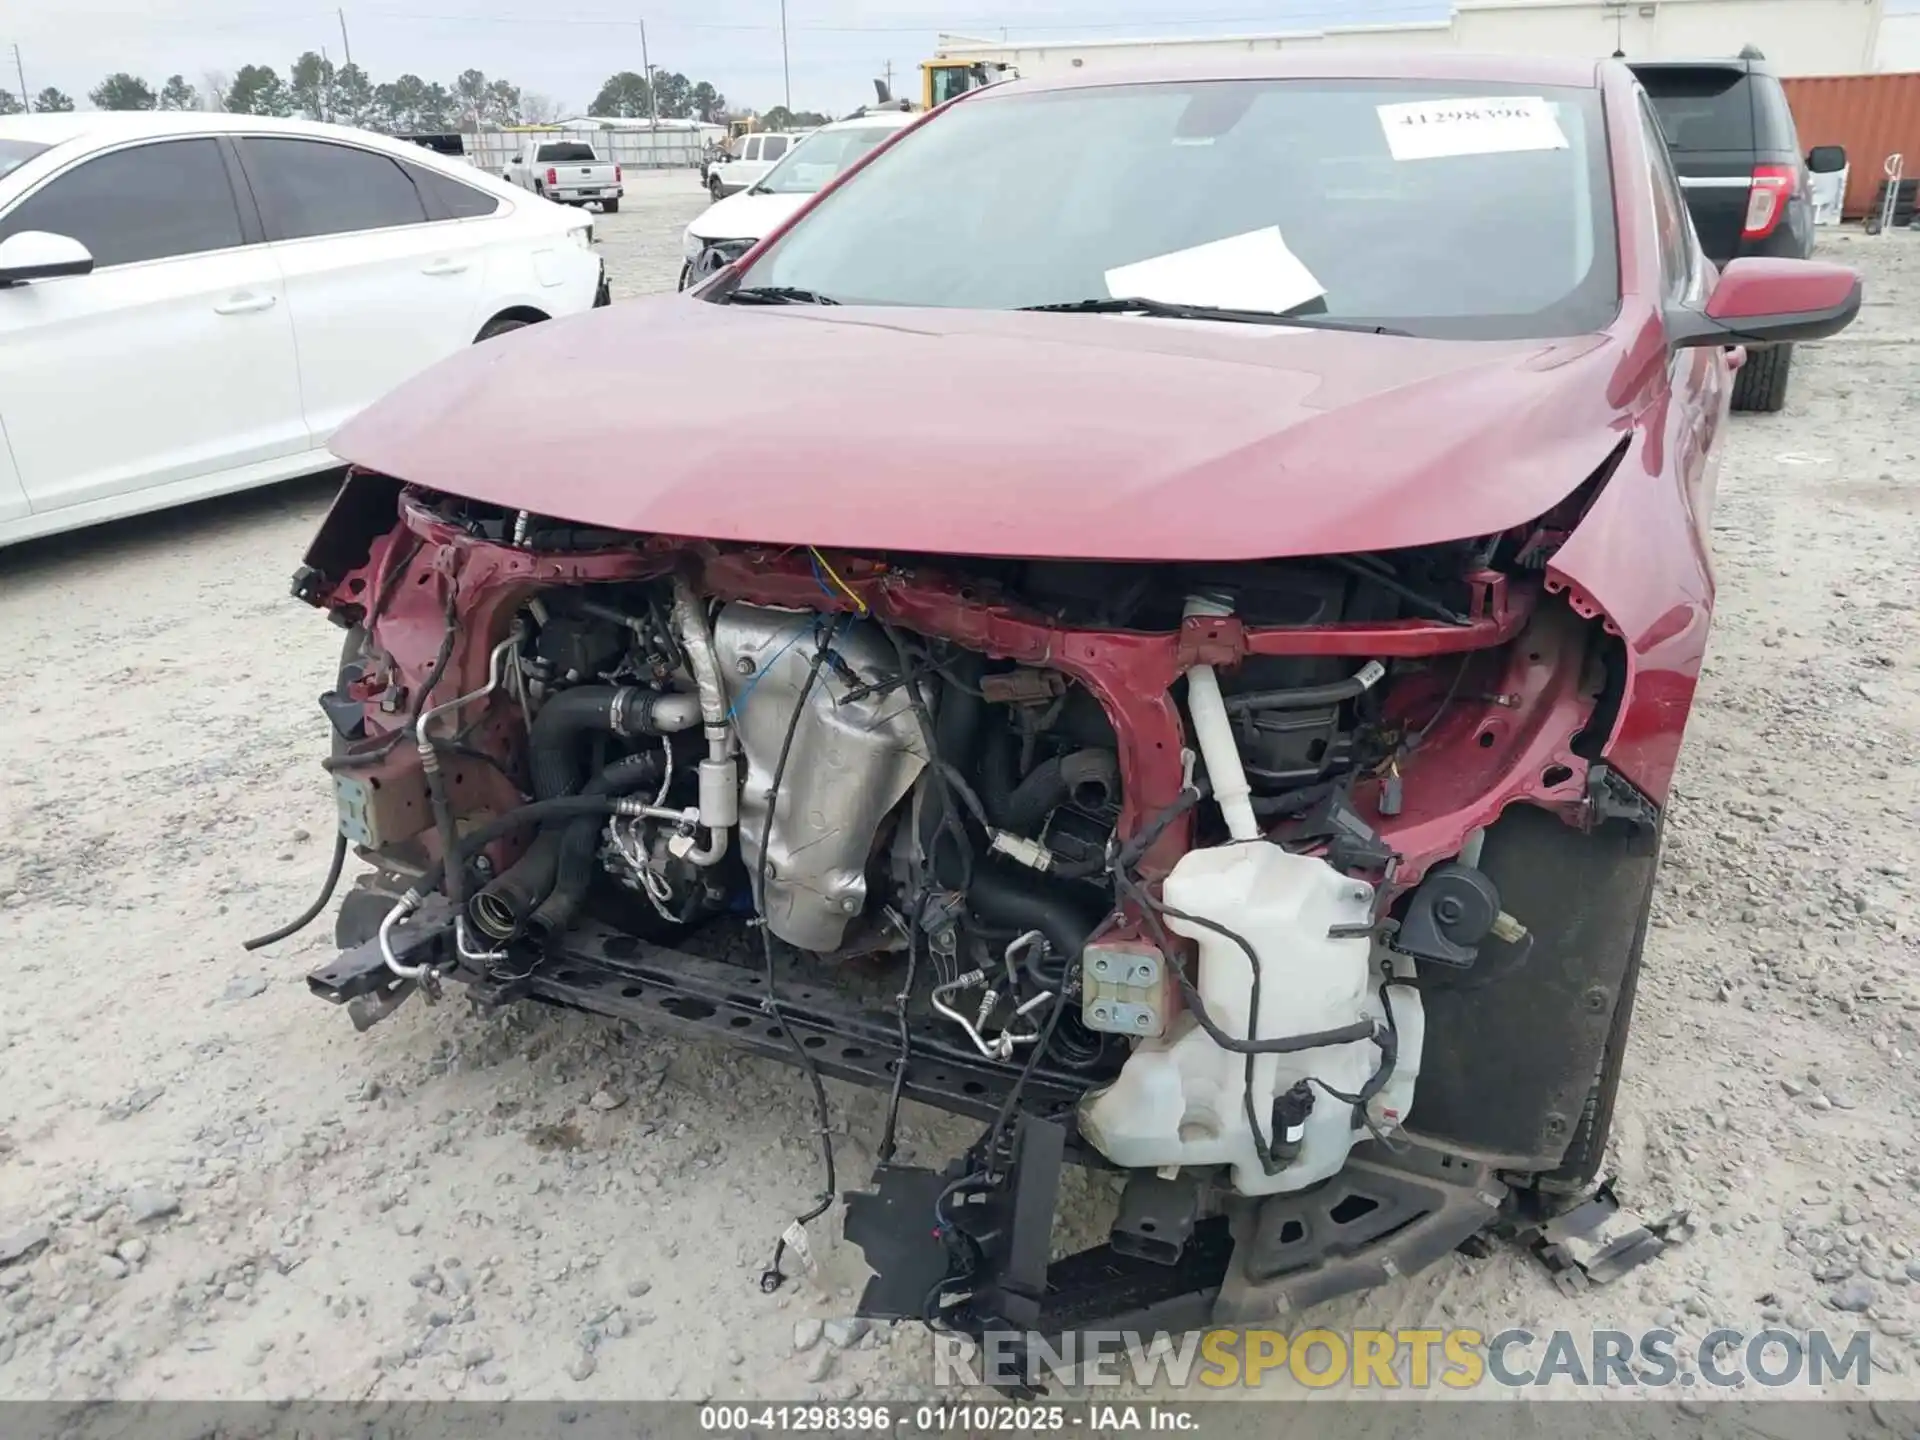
(777, 295)
(1140, 305)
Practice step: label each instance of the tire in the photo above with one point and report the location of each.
(714, 187)
(1760, 385)
(501, 327)
(609, 207)
(686, 273)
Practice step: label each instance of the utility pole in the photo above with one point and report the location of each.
(786, 72)
(20, 70)
(653, 104)
(345, 43)
(889, 74)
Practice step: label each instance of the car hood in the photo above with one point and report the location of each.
(990, 433)
(745, 216)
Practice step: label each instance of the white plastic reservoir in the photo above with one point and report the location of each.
(1180, 1099)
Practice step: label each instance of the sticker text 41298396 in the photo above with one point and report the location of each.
(1491, 125)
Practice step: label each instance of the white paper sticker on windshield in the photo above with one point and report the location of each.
(1432, 129)
(1254, 271)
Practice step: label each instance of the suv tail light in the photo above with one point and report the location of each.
(1767, 200)
(616, 175)
(552, 177)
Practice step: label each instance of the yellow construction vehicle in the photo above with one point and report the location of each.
(941, 80)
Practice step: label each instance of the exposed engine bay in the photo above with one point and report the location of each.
(1179, 870)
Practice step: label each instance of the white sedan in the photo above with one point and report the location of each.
(727, 229)
(192, 304)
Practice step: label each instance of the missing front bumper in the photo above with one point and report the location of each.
(1387, 1215)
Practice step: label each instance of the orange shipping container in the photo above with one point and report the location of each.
(1872, 115)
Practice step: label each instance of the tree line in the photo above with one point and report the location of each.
(315, 89)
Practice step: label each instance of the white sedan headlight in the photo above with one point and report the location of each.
(691, 244)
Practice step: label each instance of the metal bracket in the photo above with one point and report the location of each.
(1210, 640)
(1611, 796)
(1157, 1217)
(1599, 1240)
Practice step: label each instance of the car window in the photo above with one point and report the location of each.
(314, 187)
(817, 159)
(752, 151)
(449, 198)
(568, 154)
(1707, 107)
(146, 202)
(1773, 117)
(949, 81)
(15, 153)
(1670, 219)
(774, 147)
(1302, 182)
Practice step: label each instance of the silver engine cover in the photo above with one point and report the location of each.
(852, 761)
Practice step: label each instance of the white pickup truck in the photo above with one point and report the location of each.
(567, 171)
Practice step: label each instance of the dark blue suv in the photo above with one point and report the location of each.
(1738, 157)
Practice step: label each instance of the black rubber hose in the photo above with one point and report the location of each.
(1090, 776)
(443, 825)
(1297, 801)
(553, 744)
(561, 807)
(312, 912)
(580, 842)
(1305, 697)
(999, 761)
(501, 908)
(956, 747)
(1004, 898)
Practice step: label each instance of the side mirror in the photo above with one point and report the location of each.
(1827, 159)
(38, 255)
(1770, 302)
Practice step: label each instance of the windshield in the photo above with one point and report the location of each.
(1476, 211)
(820, 157)
(15, 153)
(565, 153)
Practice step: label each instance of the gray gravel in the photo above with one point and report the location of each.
(267, 1183)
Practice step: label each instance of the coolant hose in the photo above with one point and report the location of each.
(956, 746)
(1008, 899)
(1310, 697)
(999, 757)
(553, 744)
(500, 908)
(1090, 777)
(579, 852)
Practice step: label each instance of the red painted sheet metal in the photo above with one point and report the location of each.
(1872, 115)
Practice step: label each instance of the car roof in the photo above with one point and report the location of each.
(1741, 65)
(107, 126)
(1339, 65)
(885, 119)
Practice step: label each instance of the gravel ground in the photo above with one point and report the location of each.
(210, 1186)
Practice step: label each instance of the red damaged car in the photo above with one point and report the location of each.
(1183, 662)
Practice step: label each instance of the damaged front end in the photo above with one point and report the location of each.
(1302, 894)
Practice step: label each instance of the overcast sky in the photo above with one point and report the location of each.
(565, 48)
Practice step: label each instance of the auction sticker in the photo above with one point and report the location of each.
(1433, 129)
